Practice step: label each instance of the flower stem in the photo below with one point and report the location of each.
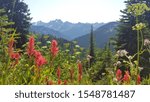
(142, 40)
(138, 48)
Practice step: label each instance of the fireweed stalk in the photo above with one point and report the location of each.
(65, 82)
(16, 57)
(32, 52)
(53, 50)
(48, 82)
(10, 46)
(126, 78)
(58, 72)
(71, 74)
(30, 47)
(39, 60)
(13, 55)
(118, 74)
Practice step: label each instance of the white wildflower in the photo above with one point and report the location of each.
(77, 46)
(122, 53)
(146, 42)
(130, 57)
(115, 79)
(111, 72)
(78, 61)
(89, 57)
(141, 68)
(48, 42)
(118, 63)
(124, 61)
(116, 55)
(103, 74)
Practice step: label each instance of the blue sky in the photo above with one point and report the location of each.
(76, 10)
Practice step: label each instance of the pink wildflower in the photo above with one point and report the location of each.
(119, 74)
(54, 49)
(30, 47)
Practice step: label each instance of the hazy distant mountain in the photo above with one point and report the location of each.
(39, 23)
(46, 30)
(68, 30)
(101, 35)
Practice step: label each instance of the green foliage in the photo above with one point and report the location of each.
(103, 65)
(17, 12)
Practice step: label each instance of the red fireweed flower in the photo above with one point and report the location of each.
(80, 68)
(59, 81)
(119, 74)
(30, 47)
(37, 54)
(138, 79)
(126, 77)
(54, 49)
(79, 78)
(15, 56)
(65, 82)
(71, 74)
(40, 61)
(50, 82)
(11, 53)
(10, 46)
(46, 80)
(58, 72)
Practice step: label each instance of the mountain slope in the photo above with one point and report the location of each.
(46, 30)
(101, 35)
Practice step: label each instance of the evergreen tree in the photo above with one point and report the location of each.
(91, 49)
(4, 22)
(18, 13)
(104, 63)
(126, 37)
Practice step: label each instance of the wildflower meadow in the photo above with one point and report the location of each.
(53, 63)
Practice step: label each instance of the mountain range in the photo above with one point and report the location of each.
(66, 30)
(76, 31)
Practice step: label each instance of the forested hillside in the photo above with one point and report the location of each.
(101, 35)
